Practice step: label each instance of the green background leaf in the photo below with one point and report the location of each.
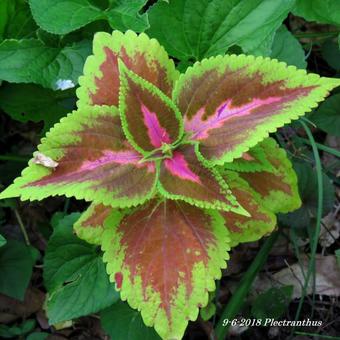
(330, 51)
(327, 116)
(197, 29)
(3, 241)
(64, 16)
(323, 11)
(30, 61)
(264, 49)
(337, 255)
(47, 38)
(16, 265)
(29, 102)
(124, 323)
(38, 336)
(273, 303)
(288, 49)
(74, 275)
(282, 45)
(15, 20)
(17, 330)
(307, 182)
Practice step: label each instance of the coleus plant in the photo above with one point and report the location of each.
(179, 168)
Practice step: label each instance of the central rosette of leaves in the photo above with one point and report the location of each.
(154, 127)
(164, 152)
(167, 150)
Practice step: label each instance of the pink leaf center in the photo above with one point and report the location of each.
(118, 157)
(178, 166)
(157, 134)
(200, 127)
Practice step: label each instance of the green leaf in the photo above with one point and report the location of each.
(17, 330)
(273, 303)
(264, 49)
(30, 61)
(323, 11)
(337, 255)
(307, 182)
(209, 310)
(57, 217)
(121, 322)
(29, 102)
(16, 21)
(74, 275)
(8, 203)
(282, 45)
(330, 51)
(48, 39)
(16, 264)
(3, 241)
(9, 170)
(64, 16)
(6, 8)
(327, 116)
(38, 336)
(288, 49)
(191, 29)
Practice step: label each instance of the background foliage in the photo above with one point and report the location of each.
(50, 280)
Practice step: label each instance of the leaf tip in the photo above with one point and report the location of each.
(9, 193)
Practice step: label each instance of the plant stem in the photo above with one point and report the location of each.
(314, 243)
(217, 293)
(23, 159)
(238, 298)
(66, 205)
(325, 148)
(319, 336)
(22, 227)
(317, 35)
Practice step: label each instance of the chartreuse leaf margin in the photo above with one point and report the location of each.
(142, 55)
(136, 90)
(177, 168)
(276, 186)
(65, 16)
(261, 221)
(272, 93)
(90, 226)
(94, 163)
(164, 258)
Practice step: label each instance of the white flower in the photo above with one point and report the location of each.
(64, 84)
